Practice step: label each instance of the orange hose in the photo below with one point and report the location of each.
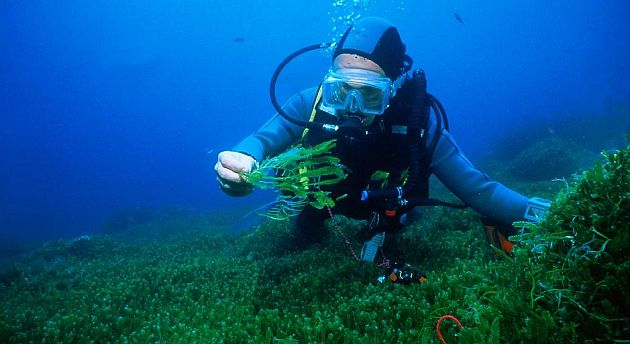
(437, 328)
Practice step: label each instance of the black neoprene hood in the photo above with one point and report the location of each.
(376, 39)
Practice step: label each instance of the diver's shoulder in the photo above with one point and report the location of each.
(306, 97)
(309, 93)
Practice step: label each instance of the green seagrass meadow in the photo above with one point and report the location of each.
(179, 278)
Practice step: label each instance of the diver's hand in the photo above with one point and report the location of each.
(228, 167)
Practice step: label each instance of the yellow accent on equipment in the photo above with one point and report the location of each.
(314, 111)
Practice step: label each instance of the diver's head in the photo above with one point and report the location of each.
(367, 69)
(354, 61)
(376, 40)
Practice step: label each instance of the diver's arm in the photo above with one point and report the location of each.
(274, 137)
(486, 196)
(278, 134)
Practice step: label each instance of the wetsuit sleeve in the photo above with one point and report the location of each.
(278, 134)
(486, 196)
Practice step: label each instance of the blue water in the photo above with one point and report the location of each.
(113, 104)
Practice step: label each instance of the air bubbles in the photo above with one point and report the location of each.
(343, 14)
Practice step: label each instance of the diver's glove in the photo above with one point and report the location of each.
(497, 235)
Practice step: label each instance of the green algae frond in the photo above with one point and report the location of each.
(299, 175)
(578, 257)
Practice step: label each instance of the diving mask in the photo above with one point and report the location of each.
(357, 90)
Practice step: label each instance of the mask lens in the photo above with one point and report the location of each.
(364, 91)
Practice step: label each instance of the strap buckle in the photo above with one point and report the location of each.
(536, 209)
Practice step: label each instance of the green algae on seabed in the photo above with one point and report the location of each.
(566, 284)
(578, 258)
(298, 175)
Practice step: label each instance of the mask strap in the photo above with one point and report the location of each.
(407, 64)
(396, 84)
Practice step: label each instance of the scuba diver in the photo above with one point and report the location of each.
(384, 120)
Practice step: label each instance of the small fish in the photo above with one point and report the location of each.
(210, 151)
(550, 130)
(458, 18)
(238, 40)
